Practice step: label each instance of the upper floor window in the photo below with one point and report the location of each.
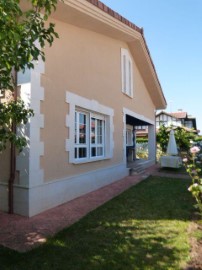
(188, 124)
(127, 72)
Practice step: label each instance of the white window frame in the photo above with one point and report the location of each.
(129, 135)
(127, 72)
(97, 145)
(88, 144)
(78, 144)
(93, 108)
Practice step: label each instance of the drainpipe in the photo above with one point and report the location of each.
(12, 157)
(134, 143)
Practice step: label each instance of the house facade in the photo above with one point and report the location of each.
(97, 84)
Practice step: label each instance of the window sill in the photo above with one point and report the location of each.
(83, 161)
(130, 96)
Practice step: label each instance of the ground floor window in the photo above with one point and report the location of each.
(89, 135)
(90, 130)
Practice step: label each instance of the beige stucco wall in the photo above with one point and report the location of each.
(87, 64)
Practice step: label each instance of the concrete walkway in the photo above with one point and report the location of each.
(22, 234)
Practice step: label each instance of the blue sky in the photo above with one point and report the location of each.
(173, 31)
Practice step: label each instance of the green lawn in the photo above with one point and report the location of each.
(143, 228)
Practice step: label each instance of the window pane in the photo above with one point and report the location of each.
(129, 136)
(124, 72)
(99, 131)
(75, 129)
(82, 128)
(93, 152)
(126, 136)
(99, 139)
(99, 151)
(82, 137)
(93, 130)
(82, 118)
(127, 73)
(75, 152)
(129, 79)
(82, 152)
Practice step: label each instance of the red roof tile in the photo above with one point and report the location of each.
(179, 114)
(114, 14)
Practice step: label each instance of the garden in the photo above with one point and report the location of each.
(155, 224)
(150, 226)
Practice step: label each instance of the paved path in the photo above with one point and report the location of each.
(21, 233)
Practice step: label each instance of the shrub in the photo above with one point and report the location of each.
(193, 167)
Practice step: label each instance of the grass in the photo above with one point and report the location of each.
(197, 234)
(143, 228)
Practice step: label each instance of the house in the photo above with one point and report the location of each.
(179, 118)
(97, 84)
